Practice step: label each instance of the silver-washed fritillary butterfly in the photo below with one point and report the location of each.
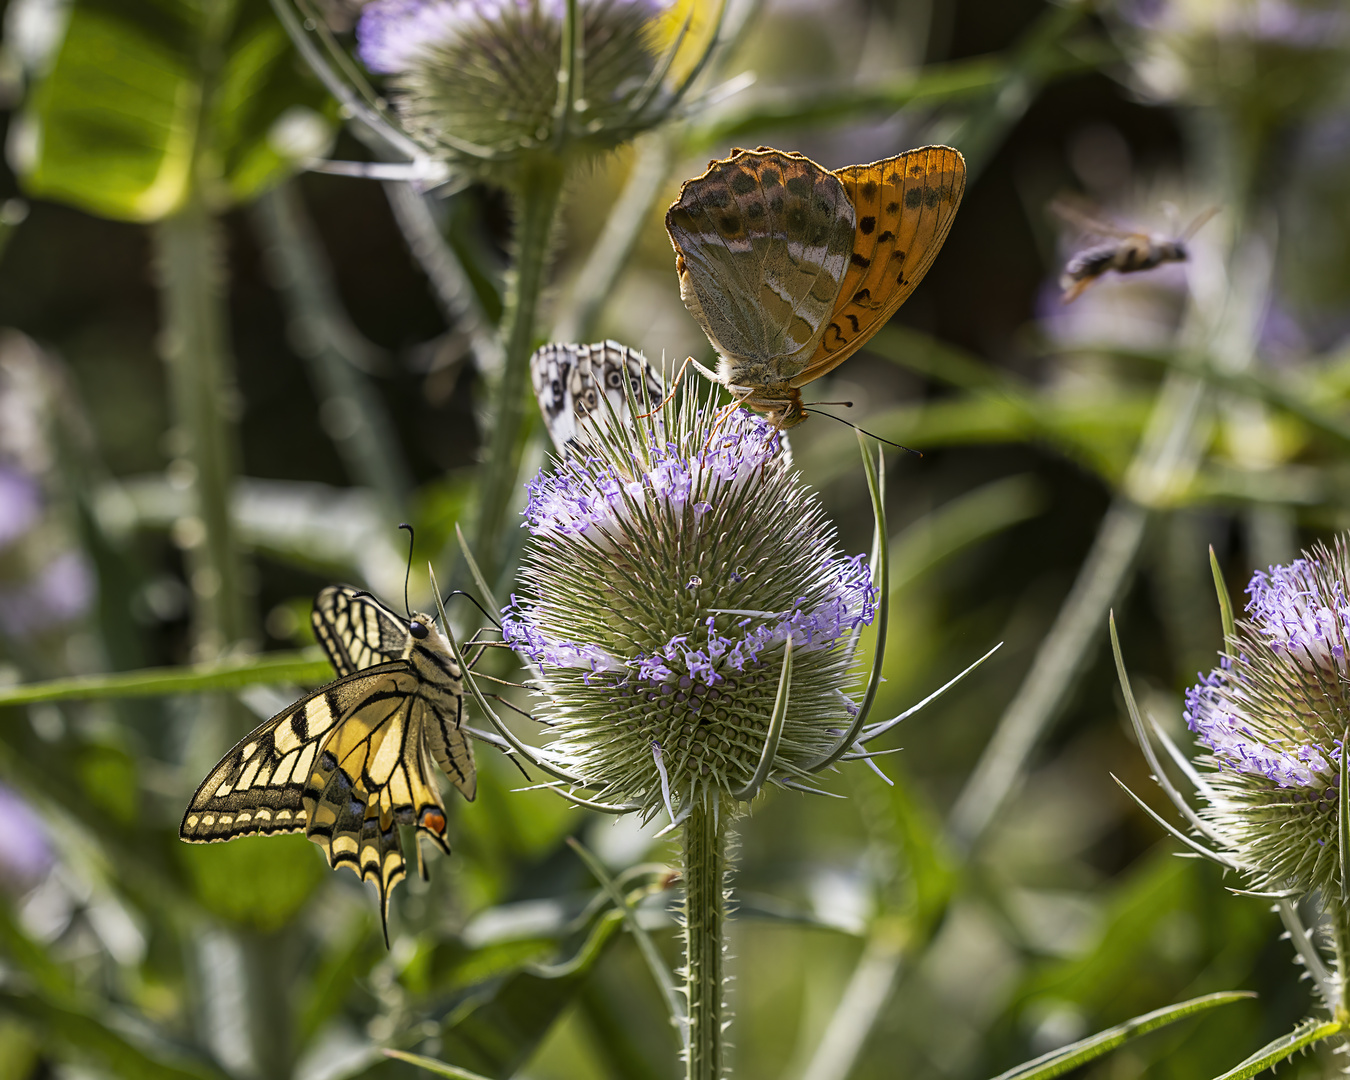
(790, 268)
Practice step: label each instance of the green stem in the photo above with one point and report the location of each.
(537, 194)
(705, 917)
(1340, 935)
(205, 402)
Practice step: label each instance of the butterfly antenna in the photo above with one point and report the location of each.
(855, 427)
(408, 572)
(486, 614)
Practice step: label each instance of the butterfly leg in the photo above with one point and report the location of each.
(673, 386)
(725, 414)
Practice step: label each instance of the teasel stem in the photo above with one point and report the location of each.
(1338, 914)
(706, 834)
(536, 193)
(203, 393)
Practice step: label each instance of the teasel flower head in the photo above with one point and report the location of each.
(670, 567)
(483, 83)
(1273, 716)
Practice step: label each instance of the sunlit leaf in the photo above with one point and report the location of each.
(1060, 1061)
(143, 95)
(1283, 1048)
(307, 667)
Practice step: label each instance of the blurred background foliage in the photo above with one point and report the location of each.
(1004, 896)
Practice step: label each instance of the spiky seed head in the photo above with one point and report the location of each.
(1274, 715)
(485, 74)
(667, 567)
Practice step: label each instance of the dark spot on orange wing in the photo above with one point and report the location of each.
(900, 279)
(743, 182)
(916, 170)
(896, 179)
(897, 256)
(866, 225)
(837, 333)
(770, 178)
(886, 237)
(913, 198)
(868, 191)
(860, 261)
(862, 296)
(799, 186)
(892, 208)
(931, 197)
(433, 820)
(853, 321)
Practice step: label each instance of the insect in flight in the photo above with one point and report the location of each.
(570, 379)
(790, 268)
(1127, 252)
(349, 763)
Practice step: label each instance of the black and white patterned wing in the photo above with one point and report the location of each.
(356, 630)
(569, 381)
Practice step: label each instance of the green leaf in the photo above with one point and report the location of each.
(439, 1068)
(1060, 1061)
(76, 1035)
(1286, 1046)
(650, 954)
(146, 94)
(1225, 600)
(259, 881)
(305, 666)
(498, 1025)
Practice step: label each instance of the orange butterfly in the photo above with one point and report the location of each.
(790, 268)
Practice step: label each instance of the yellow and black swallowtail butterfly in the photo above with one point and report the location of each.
(350, 762)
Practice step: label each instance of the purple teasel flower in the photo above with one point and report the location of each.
(25, 850)
(20, 504)
(478, 82)
(692, 624)
(1273, 717)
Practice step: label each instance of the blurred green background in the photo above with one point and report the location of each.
(1004, 896)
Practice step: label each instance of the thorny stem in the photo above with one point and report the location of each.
(705, 917)
(1339, 914)
(537, 194)
(201, 380)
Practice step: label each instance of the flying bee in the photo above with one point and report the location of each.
(1126, 253)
